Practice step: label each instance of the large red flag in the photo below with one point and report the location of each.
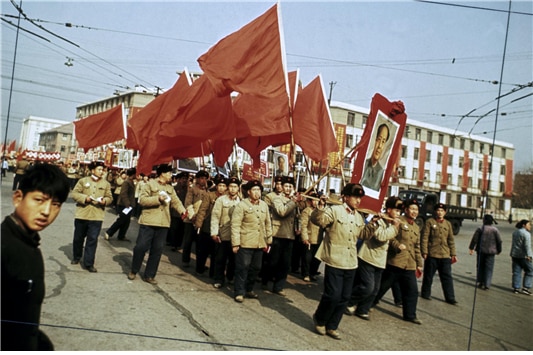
(101, 128)
(312, 126)
(250, 60)
(11, 146)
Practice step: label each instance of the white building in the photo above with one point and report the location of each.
(32, 127)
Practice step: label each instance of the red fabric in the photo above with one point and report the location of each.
(312, 126)
(99, 129)
(11, 146)
(250, 60)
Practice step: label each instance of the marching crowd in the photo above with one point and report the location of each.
(248, 236)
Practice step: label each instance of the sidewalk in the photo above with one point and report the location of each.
(106, 311)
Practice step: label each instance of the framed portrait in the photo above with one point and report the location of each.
(281, 164)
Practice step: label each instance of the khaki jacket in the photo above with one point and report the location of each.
(437, 240)
(409, 258)
(127, 194)
(221, 216)
(338, 249)
(283, 217)
(194, 194)
(250, 225)
(21, 166)
(310, 230)
(374, 250)
(156, 213)
(87, 186)
(203, 217)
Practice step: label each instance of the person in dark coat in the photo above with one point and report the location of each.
(41, 192)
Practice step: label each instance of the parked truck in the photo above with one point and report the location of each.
(427, 202)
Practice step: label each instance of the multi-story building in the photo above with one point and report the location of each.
(32, 127)
(433, 158)
(60, 139)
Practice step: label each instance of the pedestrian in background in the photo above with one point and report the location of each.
(20, 169)
(438, 251)
(91, 194)
(311, 238)
(487, 242)
(125, 207)
(37, 201)
(521, 254)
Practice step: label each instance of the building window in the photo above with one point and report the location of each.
(502, 187)
(462, 143)
(449, 178)
(452, 142)
(426, 175)
(416, 153)
(438, 177)
(430, 137)
(504, 152)
(404, 151)
(439, 158)
(450, 160)
(461, 161)
(448, 199)
(406, 132)
(469, 182)
(346, 163)
(480, 165)
(501, 205)
(502, 170)
(415, 173)
(428, 155)
(351, 119)
(468, 201)
(459, 180)
(458, 199)
(349, 141)
(441, 139)
(470, 163)
(480, 184)
(481, 147)
(417, 134)
(472, 145)
(64, 137)
(63, 148)
(365, 119)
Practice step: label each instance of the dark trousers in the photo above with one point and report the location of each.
(247, 266)
(337, 291)
(408, 287)
(365, 287)
(485, 267)
(150, 239)
(189, 236)
(122, 223)
(310, 264)
(85, 231)
(16, 180)
(175, 232)
(298, 255)
(205, 248)
(444, 267)
(224, 262)
(279, 263)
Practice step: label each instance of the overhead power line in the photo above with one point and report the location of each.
(475, 7)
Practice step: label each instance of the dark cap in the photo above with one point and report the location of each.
(131, 171)
(288, 180)
(201, 174)
(353, 190)
(441, 205)
(182, 175)
(278, 178)
(95, 164)
(252, 183)
(219, 179)
(411, 201)
(233, 180)
(394, 202)
(163, 168)
(488, 219)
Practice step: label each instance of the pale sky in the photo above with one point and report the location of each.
(440, 60)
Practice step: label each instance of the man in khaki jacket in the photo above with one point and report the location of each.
(92, 194)
(156, 199)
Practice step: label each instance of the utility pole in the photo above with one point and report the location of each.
(331, 85)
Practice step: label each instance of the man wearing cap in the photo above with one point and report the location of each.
(311, 238)
(438, 251)
(343, 225)
(177, 226)
(283, 236)
(372, 259)
(251, 233)
(404, 261)
(205, 245)
(221, 232)
(157, 198)
(487, 242)
(195, 194)
(277, 189)
(91, 194)
(125, 205)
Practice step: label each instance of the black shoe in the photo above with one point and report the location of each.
(75, 261)
(414, 320)
(398, 304)
(364, 316)
(426, 297)
(91, 269)
(452, 302)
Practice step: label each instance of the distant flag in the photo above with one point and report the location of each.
(250, 60)
(11, 146)
(312, 126)
(101, 128)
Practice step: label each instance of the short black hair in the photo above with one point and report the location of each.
(46, 178)
(381, 126)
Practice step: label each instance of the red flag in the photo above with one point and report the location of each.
(263, 122)
(101, 128)
(250, 60)
(313, 129)
(11, 146)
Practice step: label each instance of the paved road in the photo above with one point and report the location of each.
(106, 311)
